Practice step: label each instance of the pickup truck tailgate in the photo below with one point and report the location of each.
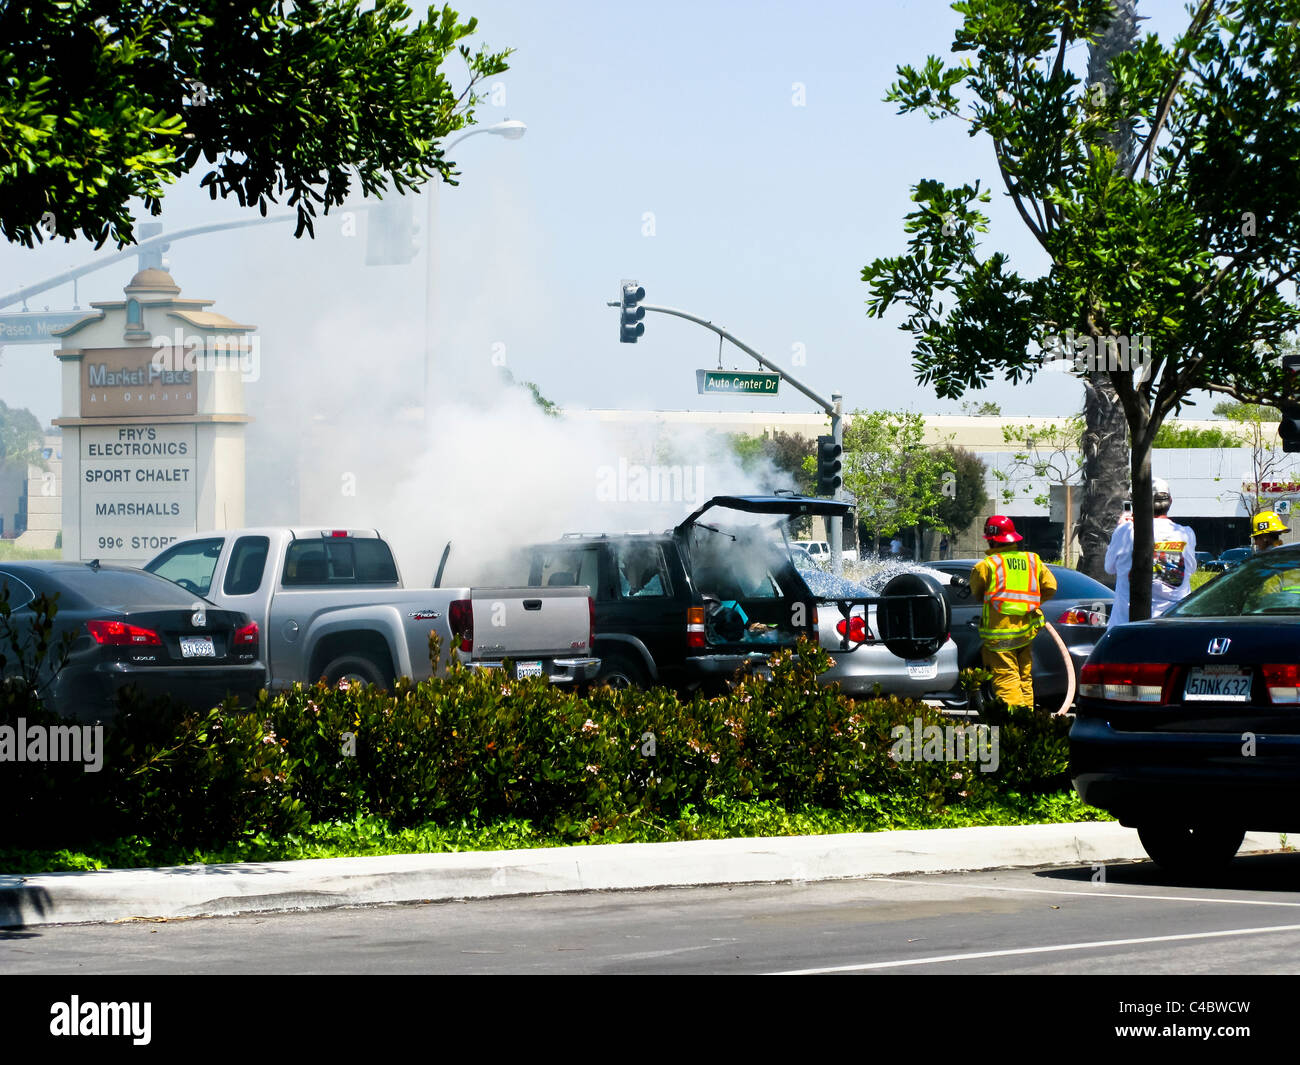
(518, 622)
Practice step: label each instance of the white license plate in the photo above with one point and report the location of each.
(528, 669)
(922, 668)
(197, 647)
(1220, 684)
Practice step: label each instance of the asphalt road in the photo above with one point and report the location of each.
(1124, 919)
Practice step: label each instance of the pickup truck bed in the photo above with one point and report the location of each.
(331, 605)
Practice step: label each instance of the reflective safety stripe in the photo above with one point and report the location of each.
(1011, 640)
(1013, 593)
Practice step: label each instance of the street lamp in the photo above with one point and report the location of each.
(511, 129)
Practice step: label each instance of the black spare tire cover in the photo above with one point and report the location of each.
(913, 628)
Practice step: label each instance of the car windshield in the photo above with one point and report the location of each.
(1265, 584)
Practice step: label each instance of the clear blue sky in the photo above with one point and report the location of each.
(764, 215)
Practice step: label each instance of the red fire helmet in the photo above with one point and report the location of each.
(1000, 530)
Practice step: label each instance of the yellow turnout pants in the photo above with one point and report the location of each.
(1012, 674)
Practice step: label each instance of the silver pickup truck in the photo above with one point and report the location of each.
(330, 603)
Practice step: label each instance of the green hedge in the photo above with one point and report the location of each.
(477, 748)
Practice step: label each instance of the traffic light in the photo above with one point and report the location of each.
(1289, 429)
(828, 466)
(630, 324)
(390, 232)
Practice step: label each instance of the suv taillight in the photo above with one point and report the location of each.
(460, 617)
(695, 627)
(591, 627)
(856, 627)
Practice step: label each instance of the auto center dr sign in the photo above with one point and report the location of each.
(158, 422)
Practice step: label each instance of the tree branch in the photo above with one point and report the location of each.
(1036, 230)
(1148, 147)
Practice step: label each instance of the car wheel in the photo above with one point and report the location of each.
(1191, 850)
(357, 671)
(620, 671)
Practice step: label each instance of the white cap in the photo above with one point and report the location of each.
(1160, 487)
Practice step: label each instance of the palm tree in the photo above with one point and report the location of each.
(1105, 443)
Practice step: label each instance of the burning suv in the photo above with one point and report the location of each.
(686, 608)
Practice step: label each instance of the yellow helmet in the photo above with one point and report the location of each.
(1265, 522)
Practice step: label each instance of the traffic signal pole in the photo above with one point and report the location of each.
(837, 524)
(833, 407)
(1289, 427)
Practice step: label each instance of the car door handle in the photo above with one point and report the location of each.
(532, 604)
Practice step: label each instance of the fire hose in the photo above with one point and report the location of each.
(963, 590)
(1069, 670)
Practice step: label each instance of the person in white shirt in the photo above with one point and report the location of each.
(1175, 558)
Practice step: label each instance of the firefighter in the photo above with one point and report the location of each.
(1013, 583)
(1266, 530)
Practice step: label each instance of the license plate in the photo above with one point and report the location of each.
(528, 669)
(1220, 684)
(197, 647)
(922, 668)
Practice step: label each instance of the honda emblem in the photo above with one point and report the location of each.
(1219, 645)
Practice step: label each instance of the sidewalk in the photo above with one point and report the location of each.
(223, 890)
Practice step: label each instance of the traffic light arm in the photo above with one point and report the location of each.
(161, 241)
(833, 407)
(825, 405)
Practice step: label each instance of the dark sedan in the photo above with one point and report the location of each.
(127, 627)
(1230, 559)
(1188, 726)
(1078, 612)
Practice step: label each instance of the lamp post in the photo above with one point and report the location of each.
(511, 129)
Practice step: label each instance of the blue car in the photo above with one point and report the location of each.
(1230, 559)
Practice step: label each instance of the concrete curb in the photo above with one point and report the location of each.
(223, 890)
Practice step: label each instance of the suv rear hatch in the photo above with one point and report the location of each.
(756, 600)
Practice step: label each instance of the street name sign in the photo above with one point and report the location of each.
(37, 327)
(737, 382)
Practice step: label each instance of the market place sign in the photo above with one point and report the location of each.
(122, 382)
(737, 382)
